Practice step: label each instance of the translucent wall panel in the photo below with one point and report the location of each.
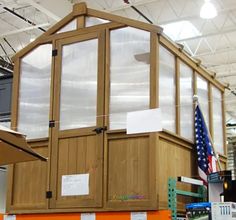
(6, 124)
(217, 120)
(129, 74)
(3, 189)
(91, 21)
(71, 26)
(186, 101)
(34, 93)
(167, 89)
(202, 92)
(78, 105)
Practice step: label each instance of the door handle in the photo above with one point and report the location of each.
(99, 130)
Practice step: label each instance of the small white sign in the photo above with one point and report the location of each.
(9, 217)
(88, 216)
(75, 185)
(223, 210)
(144, 121)
(138, 215)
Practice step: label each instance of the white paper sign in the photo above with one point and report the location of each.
(9, 217)
(88, 216)
(138, 216)
(75, 185)
(144, 121)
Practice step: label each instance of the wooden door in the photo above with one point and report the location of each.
(77, 138)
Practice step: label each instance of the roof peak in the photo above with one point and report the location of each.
(79, 8)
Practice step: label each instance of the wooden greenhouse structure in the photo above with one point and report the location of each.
(72, 89)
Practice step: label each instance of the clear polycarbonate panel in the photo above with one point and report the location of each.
(203, 98)
(78, 101)
(71, 26)
(6, 124)
(3, 189)
(218, 120)
(167, 88)
(34, 92)
(186, 101)
(129, 74)
(91, 21)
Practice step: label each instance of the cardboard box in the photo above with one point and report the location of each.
(223, 211)
(201, 211)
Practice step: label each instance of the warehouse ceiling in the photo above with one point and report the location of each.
(213, 41)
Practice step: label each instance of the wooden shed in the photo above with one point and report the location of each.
(72, 89)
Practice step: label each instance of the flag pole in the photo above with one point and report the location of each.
(195, 100)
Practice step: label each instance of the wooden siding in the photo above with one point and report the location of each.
(29, 182)
(131, 172)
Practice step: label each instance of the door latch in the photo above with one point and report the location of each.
(48, 194)
(51, 124)
(99, 130)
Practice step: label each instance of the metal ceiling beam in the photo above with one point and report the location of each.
(24, 29)
(57, 8)
(5, 64)
(231, 102)
(43, 9)
(223, 66)
(4, 51)
(195, 16)
(216, 52)
(22, 18)
(146, 2)
(220, 32)
(231, 85)
(221, 75)
(139, 3)
(138, 11)
(8, 43)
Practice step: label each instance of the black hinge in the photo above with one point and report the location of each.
(54, 52)
(99, 130)
(51, 124)
(48, 194)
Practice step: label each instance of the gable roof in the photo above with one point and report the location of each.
(81, 9)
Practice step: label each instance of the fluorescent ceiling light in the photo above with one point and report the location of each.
(208, 10)
(180, 30)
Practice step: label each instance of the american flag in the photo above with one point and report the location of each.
(205, 155)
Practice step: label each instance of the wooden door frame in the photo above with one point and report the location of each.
(100, 35)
